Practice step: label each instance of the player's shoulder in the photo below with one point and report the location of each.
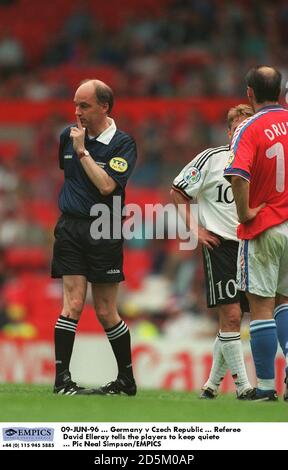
(246, 127)
(253, 123)
(65, 133)
(245, 124)
(271, 113)
(124, 146)
(122, 137)
(208, 155)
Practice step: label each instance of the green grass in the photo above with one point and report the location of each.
(20, 403)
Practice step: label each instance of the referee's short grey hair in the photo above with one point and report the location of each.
(104, 95)
(237, 111)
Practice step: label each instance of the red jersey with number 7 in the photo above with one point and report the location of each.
(260, 156)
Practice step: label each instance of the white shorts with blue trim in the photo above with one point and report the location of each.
(263, 263)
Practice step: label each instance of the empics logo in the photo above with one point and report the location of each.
(28, 434)
(10, 432)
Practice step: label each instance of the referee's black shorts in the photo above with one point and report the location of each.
(220, 267)
(76, 252)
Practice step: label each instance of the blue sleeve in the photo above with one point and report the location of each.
(122, 160)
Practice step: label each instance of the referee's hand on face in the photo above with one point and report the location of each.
(77, 134)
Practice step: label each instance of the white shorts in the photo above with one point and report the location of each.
(263, 263)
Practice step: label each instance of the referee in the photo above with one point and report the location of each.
(97, 160)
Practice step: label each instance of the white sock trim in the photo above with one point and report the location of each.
(280, 308)
(266, 384)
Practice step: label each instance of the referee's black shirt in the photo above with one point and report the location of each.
(116, 154)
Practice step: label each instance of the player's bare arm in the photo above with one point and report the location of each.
(240, 188)
(205, 237)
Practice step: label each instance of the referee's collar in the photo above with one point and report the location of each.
(106, 136)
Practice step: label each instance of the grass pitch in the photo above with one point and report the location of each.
(24, 403)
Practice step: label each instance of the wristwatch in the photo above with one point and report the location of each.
(84, 153)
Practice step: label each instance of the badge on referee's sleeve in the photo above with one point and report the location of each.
(118, 164)
(192, 175)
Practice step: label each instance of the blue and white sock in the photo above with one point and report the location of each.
(281, 319)
(264, 347)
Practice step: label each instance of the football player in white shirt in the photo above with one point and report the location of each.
(202, 180)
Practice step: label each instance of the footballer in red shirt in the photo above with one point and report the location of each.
(260, 147)
(258, 170)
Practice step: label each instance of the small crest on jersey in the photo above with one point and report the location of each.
(230, 159)
(118, 164)
(192, 175)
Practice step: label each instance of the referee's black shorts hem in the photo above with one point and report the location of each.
(101, 280)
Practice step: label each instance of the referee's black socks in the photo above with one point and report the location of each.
(65, 330)
(120, 340)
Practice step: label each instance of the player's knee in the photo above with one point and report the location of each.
(75, 308)
(106, 316)
(232, 322)
(230, 318)
(280, 300)
(103, 315)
